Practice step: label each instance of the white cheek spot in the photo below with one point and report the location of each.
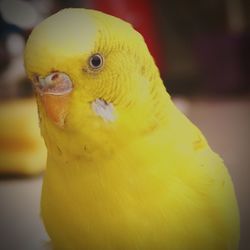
(104, 110)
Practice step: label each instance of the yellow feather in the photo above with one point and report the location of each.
(148, 179)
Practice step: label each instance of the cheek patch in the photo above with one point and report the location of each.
(104, 110)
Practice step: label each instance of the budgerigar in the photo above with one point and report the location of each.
(125, 169)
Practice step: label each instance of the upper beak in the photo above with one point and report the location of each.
(53, 91)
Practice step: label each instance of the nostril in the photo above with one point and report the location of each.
(55, 77)
(35, 78)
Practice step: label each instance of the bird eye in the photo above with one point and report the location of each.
(96, 61)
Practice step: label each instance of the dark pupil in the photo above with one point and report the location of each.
(96, 61)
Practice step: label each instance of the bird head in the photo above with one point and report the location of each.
(94, 78)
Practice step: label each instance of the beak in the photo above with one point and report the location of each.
(54, 92)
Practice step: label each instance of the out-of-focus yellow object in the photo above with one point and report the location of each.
(22, 149)
(126, 169)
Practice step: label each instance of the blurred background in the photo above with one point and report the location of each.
(202, 49)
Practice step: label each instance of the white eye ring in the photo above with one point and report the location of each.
(96, 61)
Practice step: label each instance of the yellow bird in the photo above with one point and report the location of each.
(125, 168)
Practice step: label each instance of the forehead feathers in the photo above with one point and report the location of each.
(65, 34)
(75, 32)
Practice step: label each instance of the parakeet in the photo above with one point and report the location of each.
(125, 168)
